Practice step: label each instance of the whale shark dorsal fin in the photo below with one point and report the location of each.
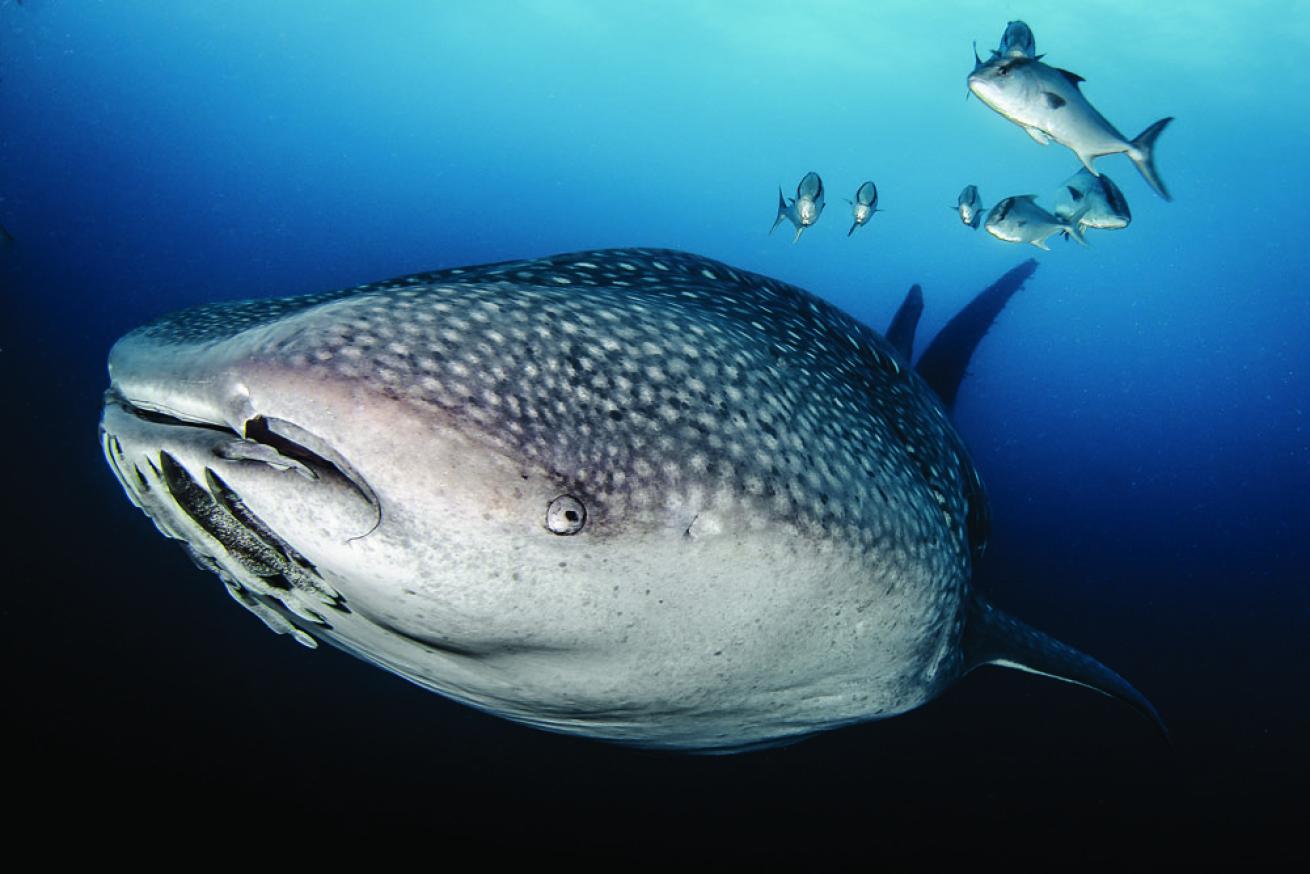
(946, 359)
(991, 637)
(900, 333)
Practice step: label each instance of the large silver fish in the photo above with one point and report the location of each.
(1048, 104)
(1095, 200)
(635, 495)
(804, 210)
(1019, 219)
(1017, 42)
(863, 206)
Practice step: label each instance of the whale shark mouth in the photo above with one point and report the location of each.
(278, 443)
(174, 470)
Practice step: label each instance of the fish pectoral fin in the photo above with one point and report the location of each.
(782, 212)
(1053, 100)
(1041, 138)
(992, 637)
(1041, 244)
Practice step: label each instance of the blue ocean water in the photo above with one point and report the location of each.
(1138, 412)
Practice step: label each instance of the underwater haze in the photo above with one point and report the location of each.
(1138, 412)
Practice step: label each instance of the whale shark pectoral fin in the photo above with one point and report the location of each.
(945, 360)
(900, 333)
(992, 637)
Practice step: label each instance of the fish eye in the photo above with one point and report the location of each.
(566, 515)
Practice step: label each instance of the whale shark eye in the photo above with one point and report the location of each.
(566, 515)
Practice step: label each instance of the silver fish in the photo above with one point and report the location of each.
(970, 206)
(1019, 219)
(804, 210)
(1096, 200)
(1048, 104)
(1017, 42)
(863, 206)
(635, 495)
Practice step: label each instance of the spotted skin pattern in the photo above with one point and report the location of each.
(634, 375)
(632, 494)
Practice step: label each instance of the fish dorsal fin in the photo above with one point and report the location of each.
(900, 333)
(1073, 78)
(992, 637)
(946, 359)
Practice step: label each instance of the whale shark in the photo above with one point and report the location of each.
(636, 495)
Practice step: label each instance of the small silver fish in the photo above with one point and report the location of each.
(1017, 42)
(864, 205)
(1019, 219)
(805, 209)
(1047, 103)
(970, 206)
(1095, 199)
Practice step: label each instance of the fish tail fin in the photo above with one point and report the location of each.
(1142, 153)
(992, 637)
(782, 212)
(1073, 227)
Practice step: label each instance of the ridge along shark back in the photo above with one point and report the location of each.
(636, 495)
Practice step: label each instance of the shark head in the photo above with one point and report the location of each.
(636, 495)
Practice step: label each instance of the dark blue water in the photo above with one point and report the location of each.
(1139, 412)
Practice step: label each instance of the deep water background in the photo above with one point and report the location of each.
(1139, 411)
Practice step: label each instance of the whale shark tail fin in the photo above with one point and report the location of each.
(900, 333)
(946, 359)
(992, 637)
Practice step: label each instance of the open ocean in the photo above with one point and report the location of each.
(1138, 412)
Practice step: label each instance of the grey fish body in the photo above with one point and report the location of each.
(635, 495)
(970, 207)
(1048, 104)
(1096, 200)
(1020, 220)
(803, 210)
(863, 206)
(1017, 42)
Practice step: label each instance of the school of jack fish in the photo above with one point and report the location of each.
(1048, 103)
